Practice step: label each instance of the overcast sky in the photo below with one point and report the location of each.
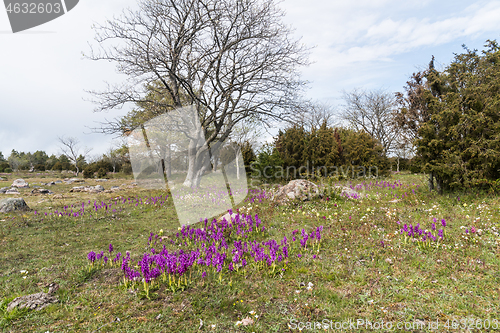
(368, 44)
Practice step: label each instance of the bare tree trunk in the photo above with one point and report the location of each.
(216, 159)
(439, 184)
(431, 181)
(237, 166)
(195, 167)
(169, 162)
(188, 182)
(398, 166)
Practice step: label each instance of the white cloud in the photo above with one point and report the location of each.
(359, 39)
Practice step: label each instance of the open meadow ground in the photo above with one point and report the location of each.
(397, 254)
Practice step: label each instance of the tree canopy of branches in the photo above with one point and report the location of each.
(314, 114)
(454, 117)
(71, 148)
(372, 112)
(231, 59)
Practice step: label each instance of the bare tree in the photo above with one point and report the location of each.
(313, 114)
(372, 112)
(71, 148)
(231, 59)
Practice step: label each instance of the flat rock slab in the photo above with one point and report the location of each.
(297, 189)
(12, 204)
(90, 189)
(12, 191)
(35, 301)
(74, 180)
(4, 189)
(20, 183)
(41, 191)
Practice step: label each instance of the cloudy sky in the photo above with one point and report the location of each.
(368, 44)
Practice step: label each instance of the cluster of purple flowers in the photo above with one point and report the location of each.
(472, 230)
(397, 186)
(111, 206)
(93, 257)
(417, 233)
(218, 247)
(257, 195)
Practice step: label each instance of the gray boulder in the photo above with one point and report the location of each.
(228, 217)
(41, 191)
(95, 189)
(35, 301)
(297, 189)
(79, 189)
(74, 180)
(4, 189)
(91, 189)
(20, 183)
(346, 191)
(12, 191)
(12, 204)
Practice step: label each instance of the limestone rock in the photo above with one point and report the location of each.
(12, 191)
(297, 189)
(90, 189)
(346, 191)
(74, 180)
(78, 189)
(35, 301)
(12, 204)
(41, 191)
(21, 183)
(97, 188)
(228, 217)
(4, 189)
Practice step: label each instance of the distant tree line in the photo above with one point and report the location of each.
(115, 160)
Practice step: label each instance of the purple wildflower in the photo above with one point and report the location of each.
(91, 256)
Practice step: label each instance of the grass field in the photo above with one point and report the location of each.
(365, 269)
